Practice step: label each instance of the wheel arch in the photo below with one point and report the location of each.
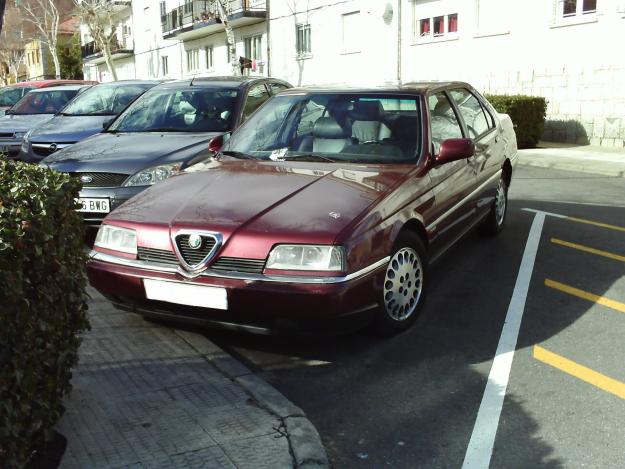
(507, 171)
(415, 225)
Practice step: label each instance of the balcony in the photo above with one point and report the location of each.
(119, 5)
(91, 53)
(199, 18)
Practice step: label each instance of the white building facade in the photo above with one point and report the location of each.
(563, 50)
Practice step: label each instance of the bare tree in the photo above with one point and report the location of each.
(98, 16)
(45, 16)
(13, 41)
(3, 5)
(224, 10)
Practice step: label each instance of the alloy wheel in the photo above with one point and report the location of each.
(403, 284)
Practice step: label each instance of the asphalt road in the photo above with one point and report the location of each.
(412, 400)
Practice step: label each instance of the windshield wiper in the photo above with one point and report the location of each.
(306, 156)
(237, 154)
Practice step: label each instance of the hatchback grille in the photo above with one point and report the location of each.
(159, 256)
(223, 264)
(43, 150)
(191, 256)
(236, 264)
(100, 179)
(10, 135)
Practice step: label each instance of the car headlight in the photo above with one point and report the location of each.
(25, 140)
(117, 239)
(149, 176)
(306, 257)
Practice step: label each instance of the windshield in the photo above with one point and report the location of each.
(180, 110)
(43, 102)
(337, 127)
(104, 100)
(9, 96)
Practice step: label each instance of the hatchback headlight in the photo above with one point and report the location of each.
(149, 176)
(117, 239)
(306, 257)
(25, 140)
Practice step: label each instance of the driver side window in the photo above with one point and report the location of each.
(443, 120)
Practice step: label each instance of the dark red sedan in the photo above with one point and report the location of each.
(325, 204)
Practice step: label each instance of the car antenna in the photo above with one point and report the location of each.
(192, 78)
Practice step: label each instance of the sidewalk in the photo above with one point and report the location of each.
(586, 158)
(147, 396)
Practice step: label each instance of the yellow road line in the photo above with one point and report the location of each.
(581, 372)
(581, 247)
(586, 295)
(596, 223)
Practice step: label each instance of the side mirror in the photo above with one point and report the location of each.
(215, 144)
(455, 149)
(106, 123)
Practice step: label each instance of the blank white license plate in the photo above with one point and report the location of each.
(94, 205)
(204, 296)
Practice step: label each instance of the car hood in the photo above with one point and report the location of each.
(22, 123)
(68, 129)
(298, 202)
(127, 153)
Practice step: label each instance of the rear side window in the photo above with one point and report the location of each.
(277, 87)
(472, 112)
(257, 95)
(444, 122)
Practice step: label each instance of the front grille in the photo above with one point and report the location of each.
(194, 256)
(42, 151)
(237, 264)
(223, 264)
(100, 179)
(6, 135)
(159, 256)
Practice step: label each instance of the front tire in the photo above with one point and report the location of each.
(496, 218)
(403, 292)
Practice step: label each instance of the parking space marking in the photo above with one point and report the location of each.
(482, 440)
(578, 220)
(601, 300)
(586, 374)
(581, 247)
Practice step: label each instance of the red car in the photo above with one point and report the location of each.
(325, 204)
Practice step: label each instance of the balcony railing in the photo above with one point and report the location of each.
(92, 49)
(204, 11)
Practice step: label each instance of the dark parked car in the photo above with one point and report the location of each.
(327, 203)
(81, 118)
(167, 129)
(33, 109)
(9, 95)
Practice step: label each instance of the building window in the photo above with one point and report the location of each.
(193, 60)
(163, 7)
(351, 32)
(208, 53)
(571, 8)
(438, 27)
(165, 65)
(302, 40)
(253, 49)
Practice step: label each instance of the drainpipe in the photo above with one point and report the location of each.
(268, 13)
(399, 22)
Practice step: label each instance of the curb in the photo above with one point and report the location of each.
(304, 441)
(587, 167)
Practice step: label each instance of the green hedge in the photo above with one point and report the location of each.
(527, 114)
(42, 303)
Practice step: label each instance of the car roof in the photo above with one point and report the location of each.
(222, 81)
(48, 83)
(420, 87)
(129, 82)
(56, 88)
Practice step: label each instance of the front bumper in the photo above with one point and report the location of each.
(116, 196)
(11, 148)
(260, 303)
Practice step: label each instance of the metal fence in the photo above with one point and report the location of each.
(200, 11)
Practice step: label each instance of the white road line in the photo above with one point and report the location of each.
(483, 437)
(556, 215)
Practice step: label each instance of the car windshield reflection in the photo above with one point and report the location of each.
(330, 127)
(180, 110)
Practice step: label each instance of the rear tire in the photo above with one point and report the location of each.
(403, 292)
(496, 218)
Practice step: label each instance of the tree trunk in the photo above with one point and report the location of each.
(223, 14)
(106, 52)
(55, 60)
(2, 7)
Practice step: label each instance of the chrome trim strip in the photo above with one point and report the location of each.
(459, 204)
(165, 268)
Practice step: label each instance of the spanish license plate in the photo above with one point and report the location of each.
(94, 205)
(203, 296)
